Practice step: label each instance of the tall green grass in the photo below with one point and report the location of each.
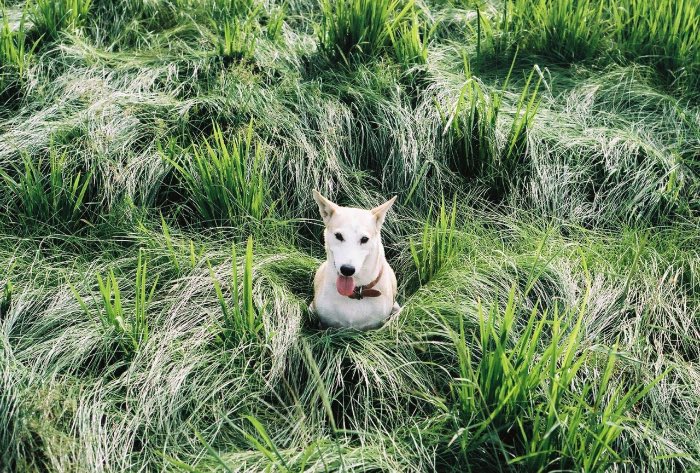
(236, 40)
(360, 27)
(223, 178)
(570, 29)
(663, 34)
(125, 325)
(49, 191)
(16, 53)
(241, 319)
(275, 23)
(222, 9)
(520, 397)
(438, 243)
(52, 17)
(472, 124)
(410, 39)
(513, 155)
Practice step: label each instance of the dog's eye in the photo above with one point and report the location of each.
(339, 236)
(364, 240)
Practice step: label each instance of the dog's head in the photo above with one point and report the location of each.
(353, 240)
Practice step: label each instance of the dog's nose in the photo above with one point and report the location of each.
(347, 270)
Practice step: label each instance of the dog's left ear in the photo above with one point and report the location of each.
(380, 211)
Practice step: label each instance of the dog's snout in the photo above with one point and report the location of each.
(347, 270)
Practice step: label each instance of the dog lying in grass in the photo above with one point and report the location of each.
(355, 287)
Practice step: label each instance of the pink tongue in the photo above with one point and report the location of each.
(345, 285)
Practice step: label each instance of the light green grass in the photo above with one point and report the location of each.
(223, 178)
(16, 53)
(47, 192)
(662, 34)
(360, 27)
(52, 17)
(159, 239)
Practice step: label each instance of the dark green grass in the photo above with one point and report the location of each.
(159, 237)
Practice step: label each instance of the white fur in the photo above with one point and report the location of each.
(334, 309)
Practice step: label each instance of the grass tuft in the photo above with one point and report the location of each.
(472, 124)
(359, 27)
(241, 318)
(128, 326)
(52, 17)
(50, 192)
(438, 244)
(237, 40)
(518, 396)
(224, 178)
(665, 33)
(569, 29)
(409, 41)
(16, 54)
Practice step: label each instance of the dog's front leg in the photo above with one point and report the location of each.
(312, 310)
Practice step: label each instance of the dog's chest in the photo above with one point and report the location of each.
(336, 310)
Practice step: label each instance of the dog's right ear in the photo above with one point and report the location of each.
(325, 206)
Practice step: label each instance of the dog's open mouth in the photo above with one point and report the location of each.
(345, 285)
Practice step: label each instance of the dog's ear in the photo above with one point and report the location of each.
(380, 211)
(325, 207)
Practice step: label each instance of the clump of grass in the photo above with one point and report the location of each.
(51, 17)
(665, 33)
(275, 22)
(472, 125)
(510, 161)
(520, 396)
(15, 55)
(438, 244)
(359, 27)
(48, 193)
(127, 326)
(409, 41)
(236, 40)
(223, 9)
(239, 25)
(241, 318)
(568, 29)
(224, 180)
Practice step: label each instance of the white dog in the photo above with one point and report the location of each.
(355, 287)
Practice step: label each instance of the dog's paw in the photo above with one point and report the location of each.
(395, 309)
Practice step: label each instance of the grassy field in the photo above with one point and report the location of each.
(159, 238)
